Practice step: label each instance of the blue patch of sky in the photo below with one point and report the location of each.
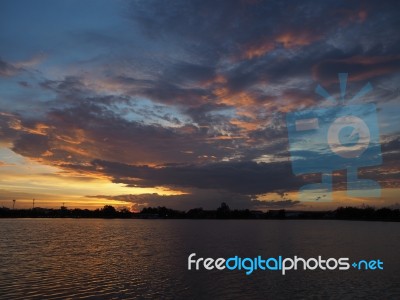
(145, 111)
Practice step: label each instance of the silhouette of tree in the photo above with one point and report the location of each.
(196, 213)
(109, 211)
(223, 211)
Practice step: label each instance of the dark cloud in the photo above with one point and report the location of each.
(11, 69)
(186, 73)
(71, 138)
(170, 93)
(275, 204)
(24, 84)
(247, 178)
(7, 69)
(207, 199)
(31, 145)
(87, 130)
(288, 41)
(361, 68)
(228, 25)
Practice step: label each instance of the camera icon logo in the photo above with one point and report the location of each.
(343, 136)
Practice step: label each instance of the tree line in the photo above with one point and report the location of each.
(222, 212)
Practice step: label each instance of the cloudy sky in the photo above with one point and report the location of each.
(184, 103)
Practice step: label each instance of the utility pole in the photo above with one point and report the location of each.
(33, 203)
(13, 203)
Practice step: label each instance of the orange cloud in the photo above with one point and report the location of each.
(4, 164)
(16, 124)
(248, 126)
(218, 80)
(258, 50)
(74, 136)
(288, 39)
(226, 96)
(293, 39)
(40, 128)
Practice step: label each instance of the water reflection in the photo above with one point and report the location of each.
(112, 259)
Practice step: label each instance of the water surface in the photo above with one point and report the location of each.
(147, 259)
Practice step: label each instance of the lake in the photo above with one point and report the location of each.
(147, 259)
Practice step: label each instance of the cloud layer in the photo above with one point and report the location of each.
(192, 95)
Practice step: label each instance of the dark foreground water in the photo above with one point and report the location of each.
(120, 259)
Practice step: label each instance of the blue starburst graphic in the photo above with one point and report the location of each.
(340, 137)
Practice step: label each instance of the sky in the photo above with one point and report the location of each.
(184, 104)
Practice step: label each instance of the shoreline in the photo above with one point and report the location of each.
(205, 219)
